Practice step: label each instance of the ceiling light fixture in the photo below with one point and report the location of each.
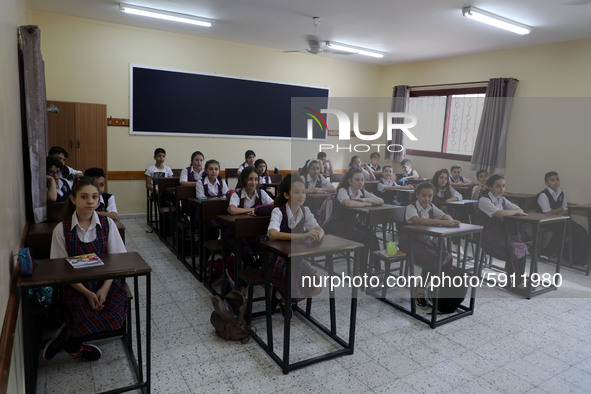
(495, 20)
(166, 15)
(351, 49)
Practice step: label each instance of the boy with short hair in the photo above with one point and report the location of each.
(374, 159)
(456, 178)
(107, 206)
(157, 170)
(482, 176)
(326, 167)
(62, 186)
(61, 154)
(407, 170)
(552, 201)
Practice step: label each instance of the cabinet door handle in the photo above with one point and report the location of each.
(78, 144)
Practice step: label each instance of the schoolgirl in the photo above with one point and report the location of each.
(264, 177)
(245, 200)
(193, 173)
(425, 249)
(249, 159)
(291, 221)
(442, 189)
(350, 194)
(94, 306)
(314, 181)
(365, 169)
(210, 183)
(492, 207)
(387, 188)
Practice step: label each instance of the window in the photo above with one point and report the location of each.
(447, 122)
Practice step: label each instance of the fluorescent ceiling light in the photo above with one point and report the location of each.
(166, 15)
(495, 20)
(351, 49)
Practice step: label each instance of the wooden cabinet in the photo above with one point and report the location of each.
(81, 129)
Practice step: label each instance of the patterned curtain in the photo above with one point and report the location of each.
(399, 104)
(491, 143)
(34, 119)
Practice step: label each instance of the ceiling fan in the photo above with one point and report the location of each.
(316, 45)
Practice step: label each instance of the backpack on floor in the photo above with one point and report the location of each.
(228, 317)
(450, 297)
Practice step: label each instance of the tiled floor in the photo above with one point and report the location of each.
(510, 344)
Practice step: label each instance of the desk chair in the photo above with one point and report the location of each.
(182, 233)
(164, 204)
(336, 177)
(55, 211)
(230, 173)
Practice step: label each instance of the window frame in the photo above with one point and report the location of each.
(444, 92)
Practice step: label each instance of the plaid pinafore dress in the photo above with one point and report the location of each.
(299, 268)
(82, 320)
(424, 248)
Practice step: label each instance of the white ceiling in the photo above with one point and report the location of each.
(408, 30)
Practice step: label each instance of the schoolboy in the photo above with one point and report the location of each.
(407, 170)
(482, 176)
(62, 186)
(552, 200)
(157, 170)
(374, 159)
(456, 178)
(61, 154)
(107, 206)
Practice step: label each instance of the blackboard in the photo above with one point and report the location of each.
(170, 102)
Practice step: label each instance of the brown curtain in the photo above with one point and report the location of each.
(34, 115)
(490, 148)
(399, 104)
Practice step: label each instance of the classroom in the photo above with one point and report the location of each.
(87, 60)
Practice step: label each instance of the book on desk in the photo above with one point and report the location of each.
(85, 260)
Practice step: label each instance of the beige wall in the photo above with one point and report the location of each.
(548, 130)
(12, 214)
(88, 61)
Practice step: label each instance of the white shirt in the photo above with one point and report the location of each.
(410, 173)
(474, 190)
(58, 241)
(324, 183)
(458, 180)
(60, 184)
(416, 209)
(155, 172)
(243, 166)
(212, 189)
(385, 183)
(493, 204)
(185, 174)
(544, 203)
(277, 217)
(265, 179)
(375, 168)
(347, 194)
(454, 193)
(111, 206)
(249, 202)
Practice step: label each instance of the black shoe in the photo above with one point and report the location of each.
(87, 353)
(56, 343)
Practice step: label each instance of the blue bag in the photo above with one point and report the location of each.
(25, 261)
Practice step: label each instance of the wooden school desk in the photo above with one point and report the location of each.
(587, 209)
(203, 211)
(292, 251)
(527, 202)
(57, 272)
(459, 210)
(443, 234)
(38, 238)
(536, 220)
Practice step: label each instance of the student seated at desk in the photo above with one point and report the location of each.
(351, 194)
(193, 173)
(291, 221)
(443, 191)
(387, 187)
(107, 205)
(374, 162)
(492, 207)
(245, 200)
(363, 167)
(552, 201)
(264, 177)
(407, 171)
(157, 170)
(479, 188)
(456, 178)
(314, 181)
(249, 159)
(58, 188)
(95, 306)
(425, 249)
(68, 173)
(326, 167)
(211, 183)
